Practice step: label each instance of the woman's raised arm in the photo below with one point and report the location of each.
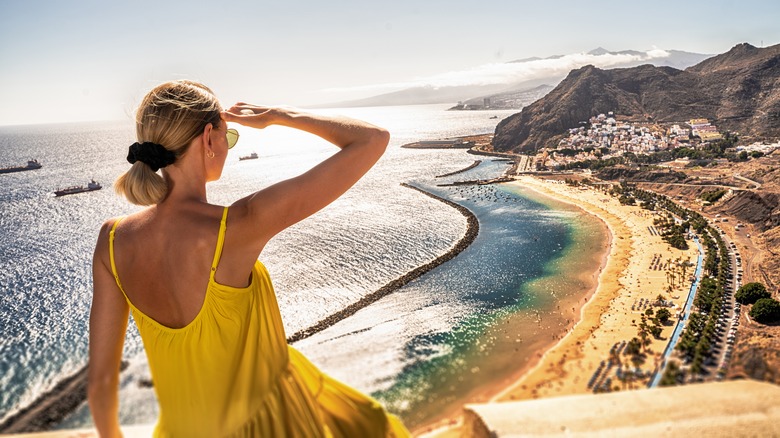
(277, 207)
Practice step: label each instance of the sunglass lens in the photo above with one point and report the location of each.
(232, 138)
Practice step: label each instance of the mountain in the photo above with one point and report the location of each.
(499, 81)
(513, 99)
(736, 91)
(421, 95)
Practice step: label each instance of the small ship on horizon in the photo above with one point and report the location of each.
(251, 156)
(92, 186)
(31, 165)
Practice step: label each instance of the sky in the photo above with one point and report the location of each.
(83, 60)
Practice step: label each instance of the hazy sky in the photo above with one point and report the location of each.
(74, 60)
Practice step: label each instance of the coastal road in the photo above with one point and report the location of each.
(718, 186)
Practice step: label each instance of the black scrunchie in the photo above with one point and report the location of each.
(152, 154)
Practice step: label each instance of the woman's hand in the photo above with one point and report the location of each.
(255, 116)
(263, 214)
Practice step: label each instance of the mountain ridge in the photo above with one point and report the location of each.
(429, 94)
(734, 90)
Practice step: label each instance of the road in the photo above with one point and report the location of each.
(750, 181)
(728, 322)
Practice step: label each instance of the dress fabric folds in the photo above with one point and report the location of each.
(230, 372)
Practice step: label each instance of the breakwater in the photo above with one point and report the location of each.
(472, 231)
(465, 169)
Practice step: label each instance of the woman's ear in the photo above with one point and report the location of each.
(206, 137)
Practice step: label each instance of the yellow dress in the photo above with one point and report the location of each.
(230, 372)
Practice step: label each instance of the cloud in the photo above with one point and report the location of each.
(514, 72)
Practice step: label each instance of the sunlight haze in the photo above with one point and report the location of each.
(88, 60)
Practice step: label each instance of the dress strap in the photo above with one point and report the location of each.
(111, 255)
(220, 243)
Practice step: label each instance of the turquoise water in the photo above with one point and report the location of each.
(476, 319)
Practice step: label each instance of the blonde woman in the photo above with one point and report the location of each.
(189, 272)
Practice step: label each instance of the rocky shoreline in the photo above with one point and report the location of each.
(52, 407)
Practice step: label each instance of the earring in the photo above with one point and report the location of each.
(210, 154)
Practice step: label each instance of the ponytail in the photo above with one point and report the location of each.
(168, 119)
(141, 185)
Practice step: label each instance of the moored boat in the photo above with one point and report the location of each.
(31, 165)
(92, 186)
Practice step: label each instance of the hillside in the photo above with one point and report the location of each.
(736, 91)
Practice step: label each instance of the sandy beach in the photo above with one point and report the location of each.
(639, 268)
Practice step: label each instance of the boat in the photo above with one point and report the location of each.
(92, 186)
(251, 156)
(31, 165)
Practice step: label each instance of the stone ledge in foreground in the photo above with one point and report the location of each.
(137, 431)
(742, 408)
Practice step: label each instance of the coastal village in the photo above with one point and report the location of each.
(604, 137)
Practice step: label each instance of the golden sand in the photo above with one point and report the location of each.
(612, 315)
(640, 265)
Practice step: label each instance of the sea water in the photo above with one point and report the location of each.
(419, 350)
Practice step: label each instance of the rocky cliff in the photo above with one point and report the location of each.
(736, 91)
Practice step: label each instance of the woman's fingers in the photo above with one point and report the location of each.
(249, 115)
(245, 108)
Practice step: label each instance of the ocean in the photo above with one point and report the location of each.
(467, 325)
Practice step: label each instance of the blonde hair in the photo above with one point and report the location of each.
(171, 115)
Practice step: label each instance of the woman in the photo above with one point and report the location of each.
(203, 303)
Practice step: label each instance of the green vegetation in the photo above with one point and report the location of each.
(634, 347)
(673, 375)
(677, 241)
(707, 295)
(713, 196)
(663, 315)
(751, 292)
(627, 199)
(766, 311)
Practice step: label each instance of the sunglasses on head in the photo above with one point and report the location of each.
(232, 138)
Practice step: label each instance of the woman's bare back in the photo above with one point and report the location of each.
(163, 259)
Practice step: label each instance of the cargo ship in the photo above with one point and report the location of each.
(251, 156)
(93, 185)
(31, 165)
